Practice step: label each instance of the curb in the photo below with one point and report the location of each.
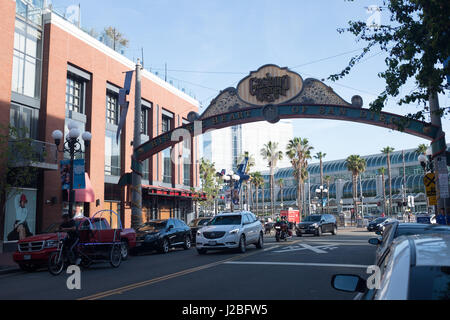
(9, 270)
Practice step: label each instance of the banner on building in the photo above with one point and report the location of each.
(79, 181)
(123, 102)
(20, 215)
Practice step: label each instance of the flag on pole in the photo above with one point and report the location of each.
(123, 102)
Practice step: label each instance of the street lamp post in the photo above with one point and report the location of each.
(72, 145)
(321, 190)
(230, 178)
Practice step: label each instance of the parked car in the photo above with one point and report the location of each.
(162, 235)
(395, 229)
(414, 268)
(426, 218)
(33, 252)
(317, 224)
(197, 224)
(233, 230)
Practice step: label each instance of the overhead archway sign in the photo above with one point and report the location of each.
(272, 93)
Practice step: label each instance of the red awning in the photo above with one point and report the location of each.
(87, 194)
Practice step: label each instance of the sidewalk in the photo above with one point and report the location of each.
(7, 264)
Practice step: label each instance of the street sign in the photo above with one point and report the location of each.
(430, 186)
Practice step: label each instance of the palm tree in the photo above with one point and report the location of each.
(320, 155)
(422, 149)
(271, 153)
(382, 171)
(257, 180)
(281, 185)
(299, 152)
(355, 164)
(328, 179)
(388, 150)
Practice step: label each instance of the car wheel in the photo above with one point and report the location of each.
(201, 251)
(124, 249)
(187, 243)
(115, 256)
(242, 247)
(260, 243)
(334, 232)
(319, 231)
(164, 246)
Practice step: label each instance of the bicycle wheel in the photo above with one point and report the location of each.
(55, 263)
(116, 255)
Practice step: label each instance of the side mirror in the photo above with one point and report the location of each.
(348, 283)
(374, 241)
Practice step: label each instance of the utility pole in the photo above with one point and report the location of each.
(439, 156)
(136, 176)
(404, 184)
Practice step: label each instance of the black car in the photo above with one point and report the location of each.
(374, 225)
(395, 229)
(162, 235)
(317, 224)
(197, 224)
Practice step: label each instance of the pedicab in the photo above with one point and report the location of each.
(97, 242)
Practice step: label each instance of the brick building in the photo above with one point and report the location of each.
(53, 73)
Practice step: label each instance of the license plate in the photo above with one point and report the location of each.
(212, 243)
(27, 257)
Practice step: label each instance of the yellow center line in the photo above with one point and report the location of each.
(133, 286)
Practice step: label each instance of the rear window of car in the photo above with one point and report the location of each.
(429, 283)
(411, 231)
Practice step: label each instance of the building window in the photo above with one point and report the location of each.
(186, 164)
(112, 108)
(24, 119)
(167, 166)
(165, 124)
(74, 94)
(112, 154)
(144, 121)
(27, 60)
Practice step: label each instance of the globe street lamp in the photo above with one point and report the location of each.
(230, 178)
(321, 191)
(72, 145)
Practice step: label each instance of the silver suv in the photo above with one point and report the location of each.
(231, 230)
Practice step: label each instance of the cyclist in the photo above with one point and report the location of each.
(70, 242)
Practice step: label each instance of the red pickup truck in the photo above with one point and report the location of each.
(33, 252)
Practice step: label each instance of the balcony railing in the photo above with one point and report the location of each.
(34, 153)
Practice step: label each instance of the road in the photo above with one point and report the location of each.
(300, 268)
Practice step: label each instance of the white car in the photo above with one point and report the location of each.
(414, 268)
(234, 230)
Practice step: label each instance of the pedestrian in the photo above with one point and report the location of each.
(441, 219)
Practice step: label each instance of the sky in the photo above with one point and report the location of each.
(209, 45)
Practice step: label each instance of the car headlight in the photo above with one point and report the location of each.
(51, 243)
(315, 225)
(234, 231)
(199, 233)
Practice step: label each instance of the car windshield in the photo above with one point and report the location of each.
(226, 220)
(429, 283)
(153, 226)
(426, 229)
(378, 220)
(312, 219)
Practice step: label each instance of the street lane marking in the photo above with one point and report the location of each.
(301, 264)
(121, 290)
(315, 249)
(307, 247)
